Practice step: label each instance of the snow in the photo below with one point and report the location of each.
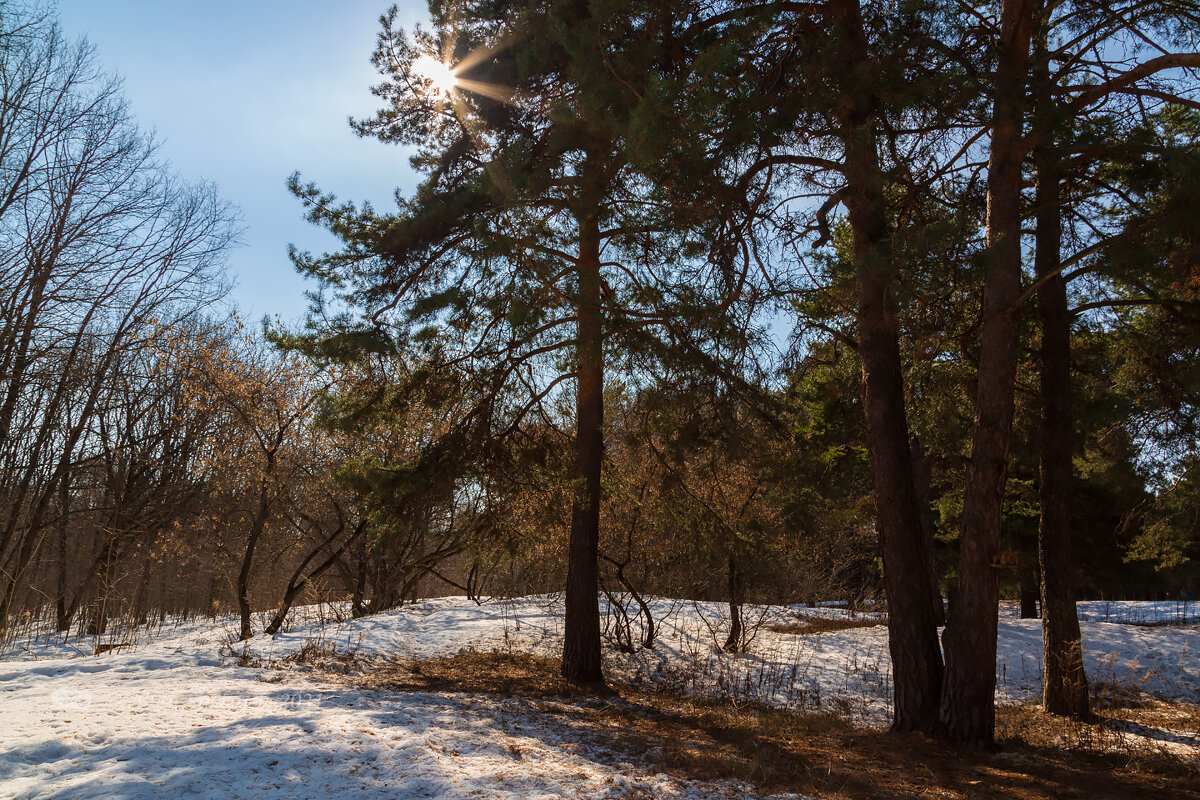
(174, 715)
(174, 722)
(1171, 612)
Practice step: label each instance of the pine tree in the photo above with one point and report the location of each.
(538, 253)
(1064, 102)
(857, 72)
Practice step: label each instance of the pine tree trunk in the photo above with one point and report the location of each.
(968, 713)
(1064, 683)
(1065, 688)
(733, 642)
(581, 629)
(1028, 576)
(922, 480)
(912, 616)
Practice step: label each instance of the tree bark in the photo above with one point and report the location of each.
(581, 630)
(243, 581)
(1028, 577)
(64, 611)
(1064, 683)
(968, 713)
(922, 483)
(912, 617)
(733, 642)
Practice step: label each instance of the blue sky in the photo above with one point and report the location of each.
(244, 93)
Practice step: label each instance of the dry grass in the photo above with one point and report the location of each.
(316, 654)
(815, 754)
(503, 674)
(322, 656)
(808, 626)
(1135, 727)
(822, 755)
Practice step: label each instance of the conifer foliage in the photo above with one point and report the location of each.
(597, 179)
(538, 254)
(551, 364)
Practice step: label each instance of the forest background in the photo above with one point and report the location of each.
(560, 354)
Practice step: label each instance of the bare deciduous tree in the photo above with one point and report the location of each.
(99, 246)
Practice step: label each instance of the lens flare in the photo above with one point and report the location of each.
(440, 76)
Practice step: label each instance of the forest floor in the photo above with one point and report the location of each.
(446, 698)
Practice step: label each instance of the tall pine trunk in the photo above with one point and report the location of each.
(968, 712)
(922, 482)
(1065, 689)
(1064, 683)
(912, 611)
(581, 629)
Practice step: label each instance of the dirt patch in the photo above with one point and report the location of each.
(814, 754)
(808, 626)
(503, 674)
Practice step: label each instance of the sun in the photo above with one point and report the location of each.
(440, 75)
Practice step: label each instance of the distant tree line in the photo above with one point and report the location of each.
(561, 355)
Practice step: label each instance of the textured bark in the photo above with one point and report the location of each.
(922, 484)
(912, 612)
(733, 642)
(1065, 689)
(968, 713)
(1064, 683)
(581, 629)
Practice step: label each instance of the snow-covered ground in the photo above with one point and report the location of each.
(173, 716)
(1168, 612)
